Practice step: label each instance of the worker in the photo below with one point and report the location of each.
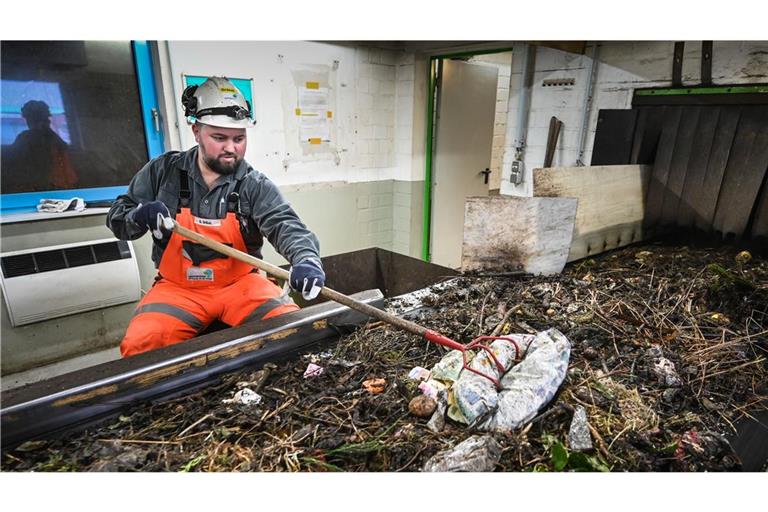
(40, 153)
(212, 190)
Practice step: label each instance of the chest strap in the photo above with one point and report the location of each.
(184, 191)
(185, 195)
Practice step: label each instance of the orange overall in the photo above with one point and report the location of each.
(197, 286)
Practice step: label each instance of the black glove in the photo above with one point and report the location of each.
(150, 216)
(307, 277)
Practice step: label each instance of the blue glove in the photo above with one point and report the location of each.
(307, 277)
(150, 216)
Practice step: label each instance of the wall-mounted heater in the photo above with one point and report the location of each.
(49, 282)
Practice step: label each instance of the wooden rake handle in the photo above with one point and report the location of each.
(276, 271)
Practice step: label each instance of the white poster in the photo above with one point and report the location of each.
(314, 115)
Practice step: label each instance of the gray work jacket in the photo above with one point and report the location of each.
(267, 212)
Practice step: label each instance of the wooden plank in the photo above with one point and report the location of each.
(532, 234)
(610, 212)
(690, 201)
(660, 174)
(744, 173)
(706, 201)
(678, 166)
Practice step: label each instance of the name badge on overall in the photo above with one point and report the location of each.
(208, 222)
(199, 274)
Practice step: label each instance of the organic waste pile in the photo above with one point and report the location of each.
(668, 350)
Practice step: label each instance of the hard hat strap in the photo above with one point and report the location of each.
(233, 111)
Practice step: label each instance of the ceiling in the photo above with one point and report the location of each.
(434, 48)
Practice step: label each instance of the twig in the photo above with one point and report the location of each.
(193, 425)
(482, 313)
(756, 361)
(137, 441)
(504, 320)
(601, 444)
(412, 459)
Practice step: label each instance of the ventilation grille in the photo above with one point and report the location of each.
(46, 261)
(559, 82)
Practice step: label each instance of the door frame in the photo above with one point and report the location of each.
(434, 72)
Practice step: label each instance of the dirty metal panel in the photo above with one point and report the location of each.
(678, 166)
(703, 138)
(375, 268)
(744, 174)
(82, 397)
(352, 271)
(403, 274)
(613, 137)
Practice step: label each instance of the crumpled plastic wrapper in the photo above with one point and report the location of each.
(526, 387)
(449, 367)
(579, 437)
(476, 453)
(665, 369)
(475, 397)
(245, 396)
(313, 370)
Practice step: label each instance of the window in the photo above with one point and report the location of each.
(72, 120)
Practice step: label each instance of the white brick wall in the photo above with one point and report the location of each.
(375, 84)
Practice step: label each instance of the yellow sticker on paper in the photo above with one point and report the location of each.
(298, 111)
(329, 114)
(313, 85)
(315, 140)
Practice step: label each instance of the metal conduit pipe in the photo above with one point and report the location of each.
(523, 107)
(524, 103)
(587, 106)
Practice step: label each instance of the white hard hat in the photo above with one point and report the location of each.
(217, 102)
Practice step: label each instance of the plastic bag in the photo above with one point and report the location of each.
(476, 453)
(526, 387)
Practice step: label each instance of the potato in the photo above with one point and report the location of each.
(422, 406)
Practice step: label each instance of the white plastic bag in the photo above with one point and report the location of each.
(526, 387)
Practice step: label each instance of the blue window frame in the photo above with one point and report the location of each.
(25, 202)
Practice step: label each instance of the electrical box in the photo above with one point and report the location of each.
(516, 173)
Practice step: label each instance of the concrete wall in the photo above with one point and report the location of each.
(622, 67)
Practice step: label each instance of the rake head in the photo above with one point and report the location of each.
(479, 343)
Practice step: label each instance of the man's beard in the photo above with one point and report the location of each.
(221, 168)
